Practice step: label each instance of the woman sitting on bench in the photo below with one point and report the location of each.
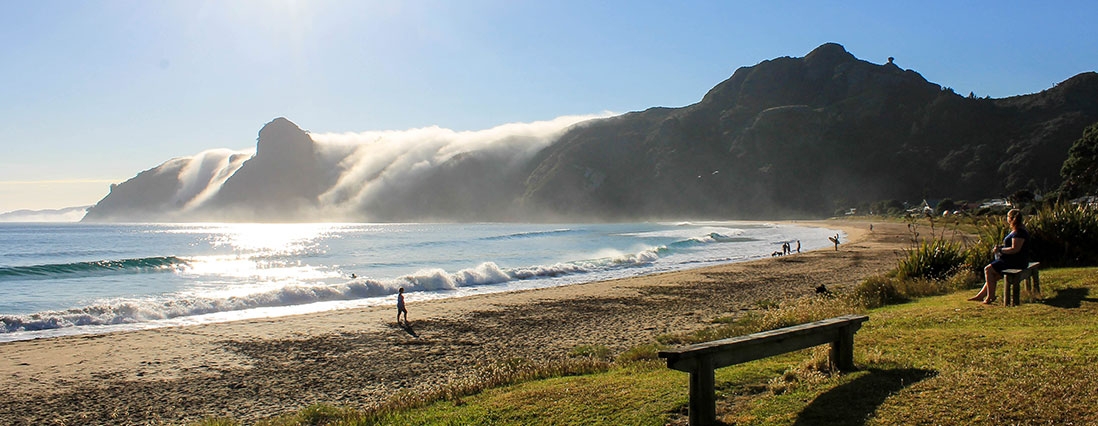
(1009, 255)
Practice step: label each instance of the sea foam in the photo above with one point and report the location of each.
(244, 275)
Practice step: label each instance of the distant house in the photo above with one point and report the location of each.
(1089, 200)
(995, 202)
(929, 206)
(925, 208)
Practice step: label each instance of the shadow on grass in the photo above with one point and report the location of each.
(854, 402)
(1070, 298)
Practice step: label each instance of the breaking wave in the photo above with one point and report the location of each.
(132, 311)
(93, 268)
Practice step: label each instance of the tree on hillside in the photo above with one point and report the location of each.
(946, 205)
(1080, 170)
(1021, 198)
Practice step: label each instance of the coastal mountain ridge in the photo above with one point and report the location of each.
(794, 136)
(787, 137)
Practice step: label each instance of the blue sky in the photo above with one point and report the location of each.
(94, 92)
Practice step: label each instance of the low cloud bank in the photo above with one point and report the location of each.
(293, 175)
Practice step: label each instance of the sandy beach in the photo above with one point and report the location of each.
(358, 357)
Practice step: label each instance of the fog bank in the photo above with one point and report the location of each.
(429, 173)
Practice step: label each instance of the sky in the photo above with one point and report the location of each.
(94, 92)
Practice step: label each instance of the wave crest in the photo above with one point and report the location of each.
(99, 267)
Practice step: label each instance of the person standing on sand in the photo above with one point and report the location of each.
(400, 306)
(1012, 254)
(798, 246)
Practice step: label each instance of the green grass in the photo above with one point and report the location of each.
(933, 360)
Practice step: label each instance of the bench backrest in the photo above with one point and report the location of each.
(736, 350)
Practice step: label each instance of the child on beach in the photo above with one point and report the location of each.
(400, 306)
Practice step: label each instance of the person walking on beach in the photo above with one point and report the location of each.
(798, 246)
(400, 306)
(835, 240)
(1012, 254)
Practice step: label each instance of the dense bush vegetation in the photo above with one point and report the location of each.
(1060, 235)
(1080, 170)
(1065, 235)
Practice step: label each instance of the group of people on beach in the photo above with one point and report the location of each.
(787, 249)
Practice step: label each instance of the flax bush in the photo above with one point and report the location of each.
(931, 260)
(1065, 235)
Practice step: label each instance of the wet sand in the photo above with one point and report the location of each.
(358, 357)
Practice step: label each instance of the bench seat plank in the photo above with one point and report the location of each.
(701, 360)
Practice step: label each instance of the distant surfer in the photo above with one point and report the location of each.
(400, 306)
(835, 240)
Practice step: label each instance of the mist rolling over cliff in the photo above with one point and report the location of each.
(295, 176)
(785, 137)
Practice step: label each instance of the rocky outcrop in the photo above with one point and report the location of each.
(280, 183)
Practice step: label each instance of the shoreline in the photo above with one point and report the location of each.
(130, 299)
(252, 369)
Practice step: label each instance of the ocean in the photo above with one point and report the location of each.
(73, 278)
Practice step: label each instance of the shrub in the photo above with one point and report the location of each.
(931, 260)
(1065, 235)
(877, 291)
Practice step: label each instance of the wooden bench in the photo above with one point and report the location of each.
(1014, 277)
(700, 360)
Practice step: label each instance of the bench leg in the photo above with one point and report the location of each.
(703, 394)
(1017, 292)
(1011, 291)
(841, 357)
(1036, 277)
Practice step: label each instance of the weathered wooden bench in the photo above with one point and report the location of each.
(1015, 277)
(700, 360)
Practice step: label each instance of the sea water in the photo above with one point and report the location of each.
(62, 279)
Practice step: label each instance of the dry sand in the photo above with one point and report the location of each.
(358, 357)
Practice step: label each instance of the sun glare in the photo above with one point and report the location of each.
(283, 238)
